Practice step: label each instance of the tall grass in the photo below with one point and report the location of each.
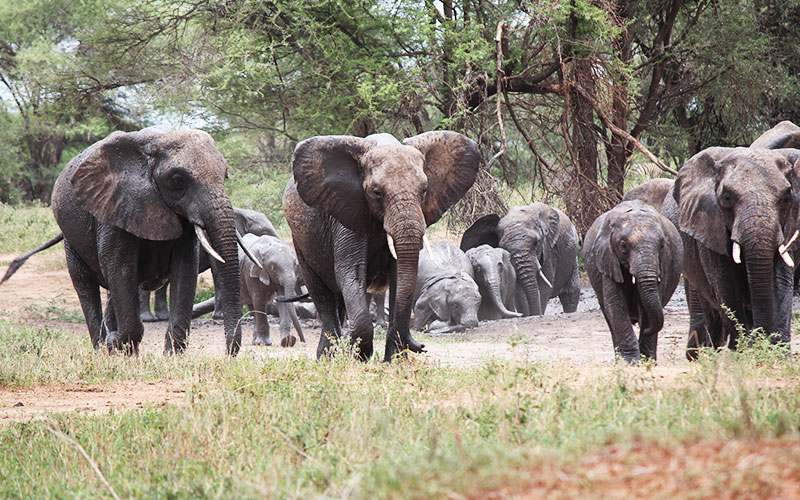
(257, 427)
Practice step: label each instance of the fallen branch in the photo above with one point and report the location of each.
(60, 435)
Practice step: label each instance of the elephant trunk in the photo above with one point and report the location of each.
(497, 300)
(406, 226)
(527, 267)
(219, 225)
(759, 255)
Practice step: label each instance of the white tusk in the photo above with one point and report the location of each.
(783, 248)
(391, 245)
(201, 235)
(247, 251)
(541, 275)
(633, 279)
(787, 259)
(427, 244)
(737, 253)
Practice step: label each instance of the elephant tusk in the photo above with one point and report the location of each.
(633, 279)
(201, 235)
(247, 251)
(787, 259)
(737, 252)
(541, 275)
(783, 248)
(427, 244)
(390, 241)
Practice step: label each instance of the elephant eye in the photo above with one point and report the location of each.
(623, 245)
(377, 193)
(177, 181)
(786, 199)
(726, 199)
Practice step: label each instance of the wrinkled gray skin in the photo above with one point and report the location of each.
(633, 257)
(541, 240)
(278, 277)
(346, 196)
(246, 221)
(497, 281)
(127, 206)
(446, 292)
(743, 195)
(651, 192)
(378, 303)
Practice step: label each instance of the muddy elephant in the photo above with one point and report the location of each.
(446, 295)
(277, 276)
(497, 281)
(132, 208)
(246, 221)
(736, 210)
(651, 192)
(543, 245)
(358, 209)
(633, 257)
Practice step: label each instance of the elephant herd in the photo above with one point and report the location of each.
(139, 210)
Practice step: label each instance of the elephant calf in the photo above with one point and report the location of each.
(446, 291)
(497, 280)
(278, 277)
(633, 257)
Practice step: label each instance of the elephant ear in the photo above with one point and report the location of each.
(600, 251)
(550, 221)
(791, 169)
(482, 232)
(428, 301)
(112, 179)
(328, 173)
(451, 165)
(695, 191)
(783, 135)
(671, 254)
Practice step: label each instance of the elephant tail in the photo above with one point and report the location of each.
(300, 298)
(17, 263)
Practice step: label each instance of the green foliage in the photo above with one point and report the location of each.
(25, 227)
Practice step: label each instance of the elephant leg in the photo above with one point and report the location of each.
(119, 263)
(88, 291)
(699, 336)
(326, 303)
(160, 307)
(260, 320)
(615, 310)
(350, 266)
(287, 339)
(183, 285)
(571, 294)
(109, 319)
(144, 307)
(380, 309)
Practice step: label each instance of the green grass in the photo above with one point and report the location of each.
(257, 427)
(24, 227)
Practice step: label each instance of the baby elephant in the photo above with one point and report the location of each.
(446, 291)
(278, 277)
(633, 257)
(497, 280)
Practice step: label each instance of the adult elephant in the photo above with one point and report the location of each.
(633, 257)
(736, 209)
(132, 208)
(358, 209)
(651, 192)
(497, 281)
(543, 245)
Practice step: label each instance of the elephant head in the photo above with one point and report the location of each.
(454, 300)
(495, 275)
(637, 247)
(378, 186)
(156, 184)
(742, 203)
(529, 234)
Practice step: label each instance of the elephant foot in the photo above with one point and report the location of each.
(162, 315)
(400, 343)
(217, 315)
(148, 317)
(327, 344)
(288, 341)
(363, 347)
(261, 341)
(115, 343)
